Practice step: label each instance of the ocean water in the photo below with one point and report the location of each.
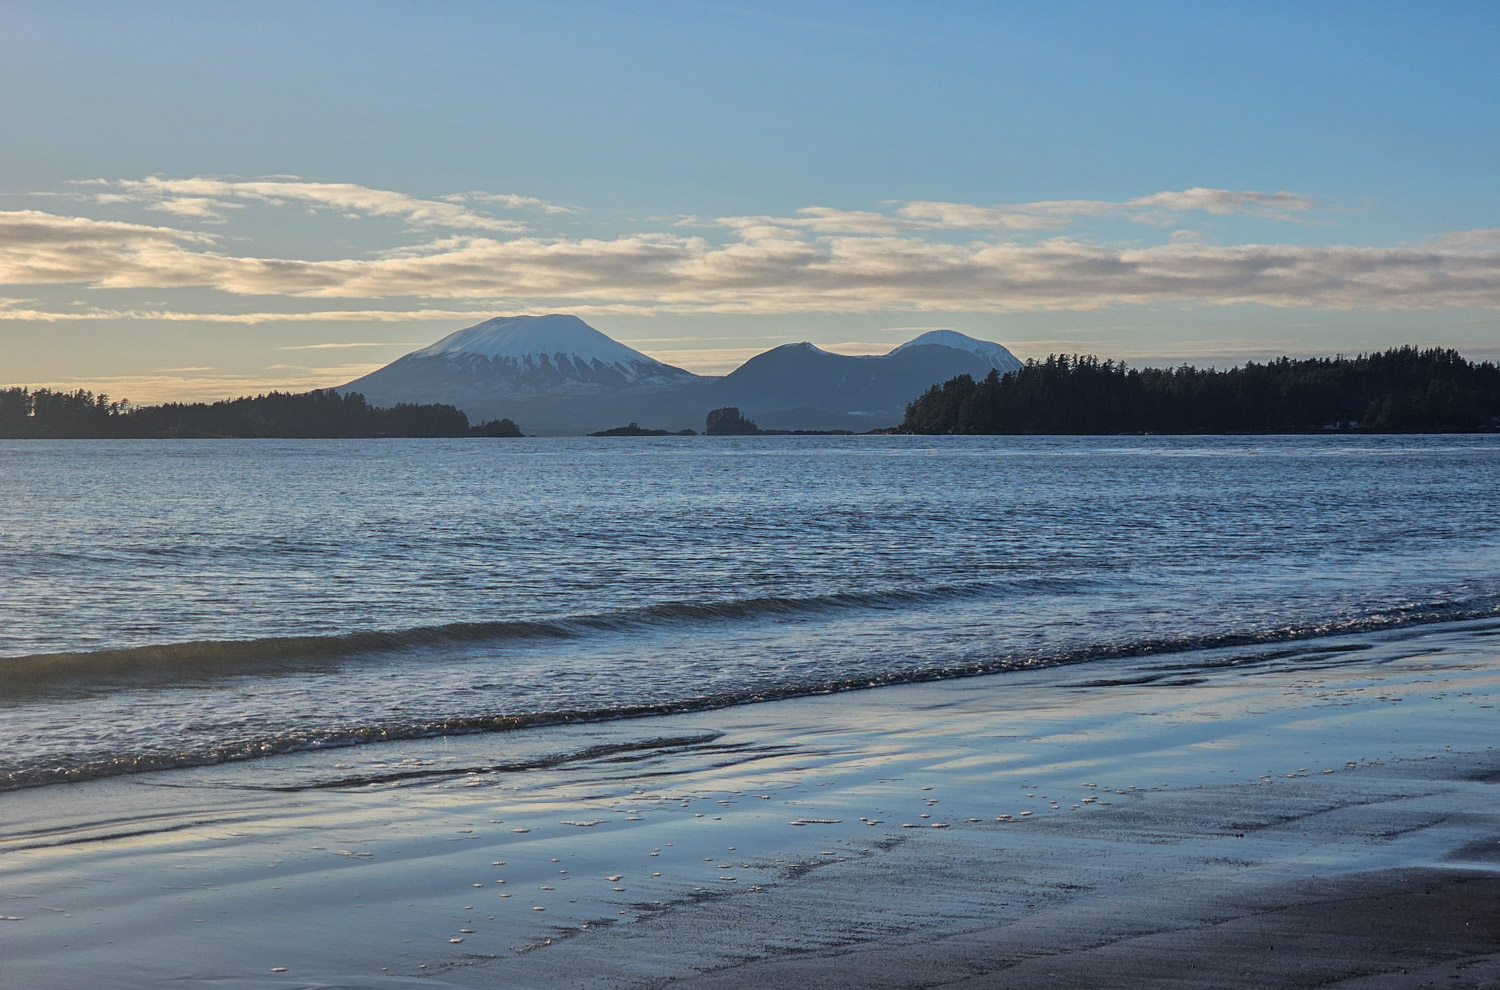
(178, 603)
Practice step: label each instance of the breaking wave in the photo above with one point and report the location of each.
(45, 673)
(1260, 646)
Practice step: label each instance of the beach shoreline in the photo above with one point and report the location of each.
(1143, 821)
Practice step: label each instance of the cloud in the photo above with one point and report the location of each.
(818, 261)
(1489, 238)
(208, 198)
(511, 201)
(909, 217)
(27, 313)
(827, 220)
(38, 248)
(339, 346)
(1277, 205)
(965, 216)
(1161, 209)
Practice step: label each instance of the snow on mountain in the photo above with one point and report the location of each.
(502, 366)
(997, 356)
(556, 339)
(556, 374)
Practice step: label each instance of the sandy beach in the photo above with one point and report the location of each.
(1311, 814)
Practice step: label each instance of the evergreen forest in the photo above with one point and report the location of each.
(1401, 390)
(46, 413)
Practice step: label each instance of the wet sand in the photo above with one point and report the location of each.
(1315, 814)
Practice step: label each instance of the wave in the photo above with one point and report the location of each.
(1263, 651)
(605, 752)
(78, 672)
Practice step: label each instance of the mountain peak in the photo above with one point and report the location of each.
(511, 358)
(995, 354)
(519, 337)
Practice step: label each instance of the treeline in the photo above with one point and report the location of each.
(729, 422)
(45, 413)
(1401, 390)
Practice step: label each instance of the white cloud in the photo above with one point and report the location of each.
(908, 216)
(342, 345)
(208, 198)
(826, 220)
(966, 216)
(511, 201)
(818, 261)
(25, 311)
(38, 248)
(1489, 238)
(1277, 205)
(1159, 208)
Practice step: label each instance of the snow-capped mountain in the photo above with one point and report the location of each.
(997, 356)
(517, 357)
(565, 343)
(802, 386)
(558, 375)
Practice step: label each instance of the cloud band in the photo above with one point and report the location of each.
(822, 261)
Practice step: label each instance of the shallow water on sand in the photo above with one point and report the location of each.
(1087, 804)
(174, 603)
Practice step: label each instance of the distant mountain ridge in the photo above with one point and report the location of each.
(557, 375)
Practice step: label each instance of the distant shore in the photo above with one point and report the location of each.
(1315, 815)
(319, 415)
(1399, 390)
(1403, 390)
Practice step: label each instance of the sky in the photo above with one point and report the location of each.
(206, 200)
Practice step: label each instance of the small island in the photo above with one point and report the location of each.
(730, 422)
(636, 430)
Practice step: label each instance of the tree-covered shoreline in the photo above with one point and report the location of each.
(59, 415)
(1400, 390)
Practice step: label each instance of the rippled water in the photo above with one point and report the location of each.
(168, 603)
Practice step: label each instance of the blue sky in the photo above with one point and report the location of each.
(203, 199)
